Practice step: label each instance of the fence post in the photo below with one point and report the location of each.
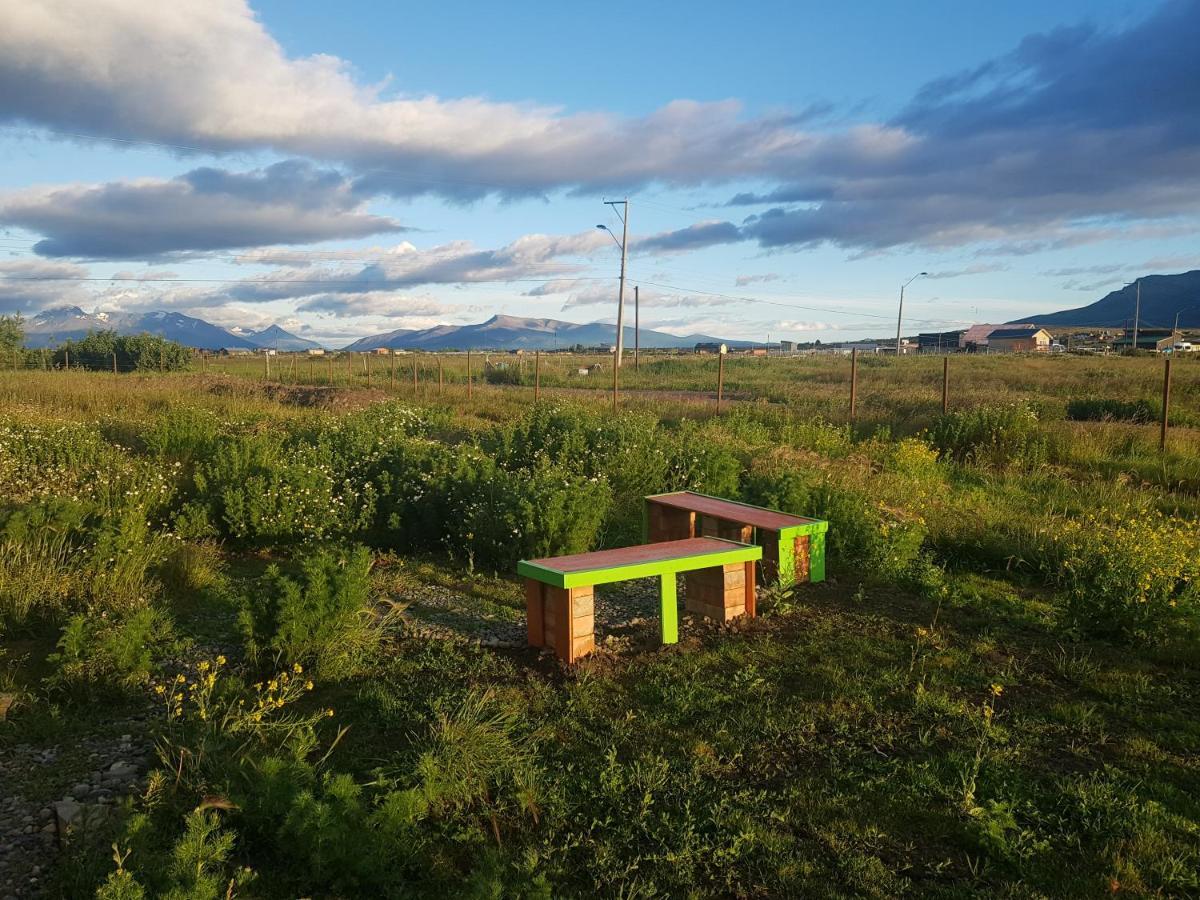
(945, 385)
(392, 369)
(468, 374)
(720, 379)
(114, 362)
(853, 382)
(416, 389)
(329, 366)
(1166, 405)
(350, 366)
(67, 360)
(367, 359)
(440, 385)
(537, 374)
(14, 360)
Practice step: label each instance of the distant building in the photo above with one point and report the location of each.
(383, 351)
(755, 351)
(1156, 339)
(1019, 339)
(977, 338)
(316, 351)
(236, 351)
(940, 341)
(711, 347)
(787, 346)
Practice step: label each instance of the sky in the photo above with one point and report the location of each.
(355, 168)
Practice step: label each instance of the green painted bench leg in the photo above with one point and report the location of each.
(787, 561)
(816, 557)
(670, 612)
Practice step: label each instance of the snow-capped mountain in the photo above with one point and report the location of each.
(54, 326)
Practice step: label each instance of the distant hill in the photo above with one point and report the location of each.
(52, 327)
(1162, 297)
(277, 338)
(515, 332)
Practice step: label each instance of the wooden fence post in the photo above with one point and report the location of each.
(468, 374)
(440, 384)
(114, 362)
(1166, 406)
(367, 359)
(416, 389)
(720, 379)
(945, 385)
(537, 374)
(67, 360)
(853, 382)
(392, 369)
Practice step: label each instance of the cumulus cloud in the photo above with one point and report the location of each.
(383, 304)
(602, 293)
(36, 284)
(202, 210)
(1074, 136)
(209, 76)
(530, 257)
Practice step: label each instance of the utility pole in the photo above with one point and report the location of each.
(637, 327)
(900, 314)
(623, 244)
(1137, 314)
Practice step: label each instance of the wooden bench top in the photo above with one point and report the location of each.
(642, 561)
(733, 511)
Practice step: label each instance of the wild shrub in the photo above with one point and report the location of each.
(99, 651)
(1129, 579)
(1107, 409)
(36, 577)
(134, 353)
(460, 500)
(319, 618)
(192, 566)
(992, 435)
(183, 433)
(261, 490)
(59, 555)
(866, 535)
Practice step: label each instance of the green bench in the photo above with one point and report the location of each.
(793, 546)
(560, 600)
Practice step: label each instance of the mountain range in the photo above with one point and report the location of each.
(515, 332)
(1163, 296)
(54, 326)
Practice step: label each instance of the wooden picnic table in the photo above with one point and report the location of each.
(793, 546)
(560, 599)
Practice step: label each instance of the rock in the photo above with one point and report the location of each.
(122, 769)
(81, 790)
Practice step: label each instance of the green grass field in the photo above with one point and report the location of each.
(295, 596)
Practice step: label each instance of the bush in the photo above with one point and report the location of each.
(1126, 579)
(134, 353)
(261, 489)
(320, 618)
(98, 651)
(458, 499)
(1000, 435)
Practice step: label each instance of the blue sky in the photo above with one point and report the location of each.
(354, 168)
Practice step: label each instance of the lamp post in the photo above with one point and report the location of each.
(900, 314)
(1137, 310)
(624, 214)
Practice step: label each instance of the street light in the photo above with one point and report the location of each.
(623, 244)
(900, 314)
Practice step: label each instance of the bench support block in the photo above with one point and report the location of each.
(670, 609)
(562, 619)
(722, 593)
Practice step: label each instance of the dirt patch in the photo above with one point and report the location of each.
(309, 396)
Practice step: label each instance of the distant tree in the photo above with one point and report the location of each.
(134, 353)
(12, 333)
